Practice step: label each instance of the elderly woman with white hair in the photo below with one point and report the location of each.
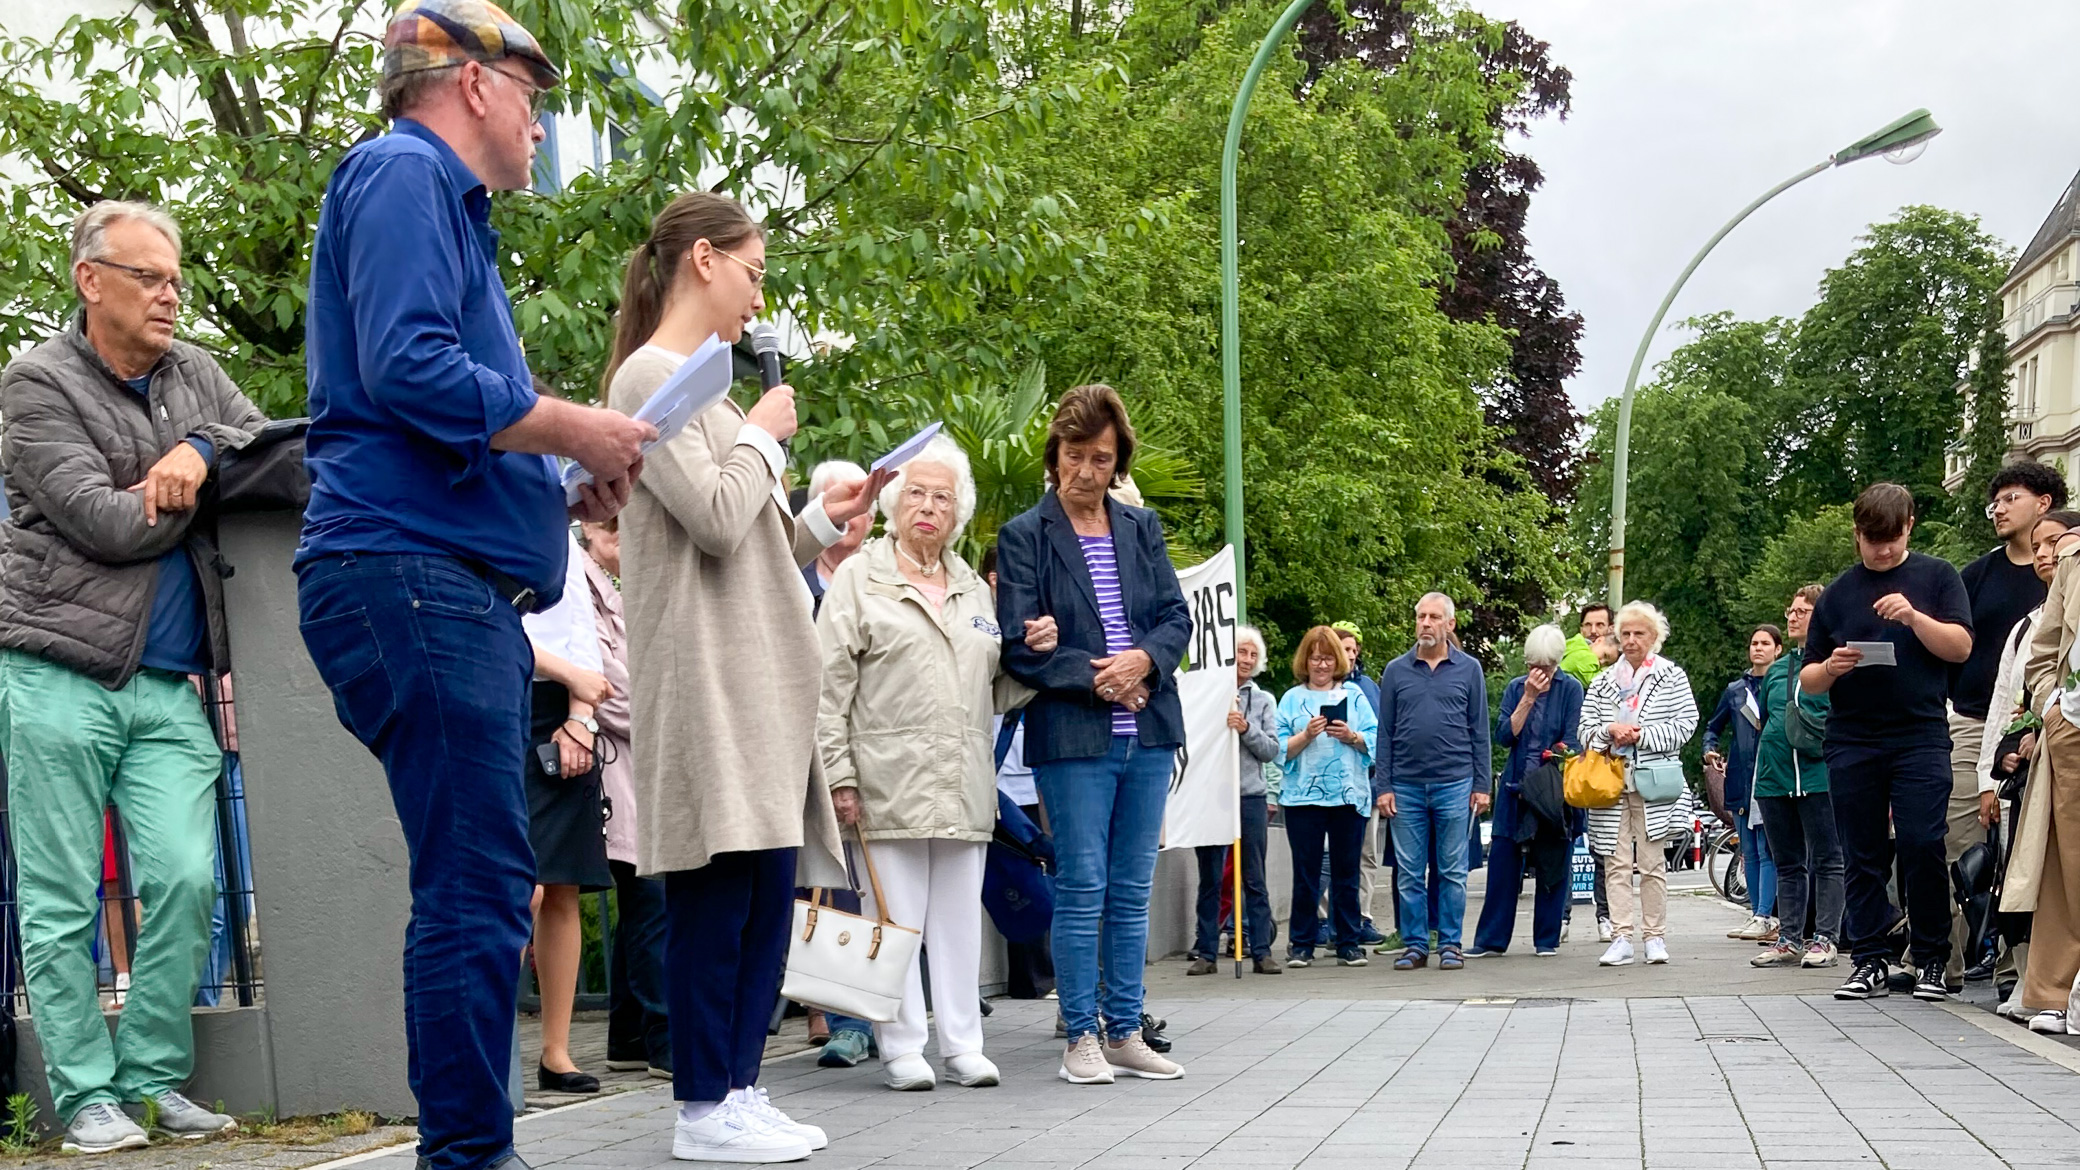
(1540, 715)
(911, 678)
(1641, 710)
(1255, 719)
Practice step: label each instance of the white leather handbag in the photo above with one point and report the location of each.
(847, 963)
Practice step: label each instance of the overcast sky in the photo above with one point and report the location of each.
(1684, 110)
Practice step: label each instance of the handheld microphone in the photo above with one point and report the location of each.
(765, 342)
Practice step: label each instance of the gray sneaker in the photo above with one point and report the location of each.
(101, 1127)
(184, 1119)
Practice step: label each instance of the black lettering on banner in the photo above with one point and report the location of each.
(1213, 627)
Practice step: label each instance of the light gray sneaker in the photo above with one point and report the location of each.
(1084, 1063)
(101, 1127)
(184, 1119)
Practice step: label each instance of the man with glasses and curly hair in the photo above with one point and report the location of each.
(2004, 588)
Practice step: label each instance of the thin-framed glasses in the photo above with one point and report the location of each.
(151, 282)
(757, 271)
(537, 97)
(917, 497)
(2009, 498)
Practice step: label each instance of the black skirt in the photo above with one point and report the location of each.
(566, 820)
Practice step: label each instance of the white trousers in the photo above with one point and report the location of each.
(935, 886)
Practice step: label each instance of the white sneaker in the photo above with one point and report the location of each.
(909, 1073)
(733, 1134)
(1753, 928)
(2050, 1022)
(1619, 954)
(1604, 930)
(1564, 924)
(756, 1102)
(2012, 1008)
(972, 1070)
(1657, 951)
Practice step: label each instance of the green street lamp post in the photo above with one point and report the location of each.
(1901, 141)
(1231, 312)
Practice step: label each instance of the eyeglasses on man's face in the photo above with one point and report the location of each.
(2007, 499)
(147, 279)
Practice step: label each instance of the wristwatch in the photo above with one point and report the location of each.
(588, 723)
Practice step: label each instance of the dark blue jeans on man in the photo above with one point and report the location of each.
(1427, 818)
(429, 669)
(1887, 800)
(1106, 814)
(638, 1025)
(1256, 897)
(1342, 828)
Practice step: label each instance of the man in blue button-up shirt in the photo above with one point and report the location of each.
(435, 522)
(1431, 776)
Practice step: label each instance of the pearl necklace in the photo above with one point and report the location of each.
(924, 570)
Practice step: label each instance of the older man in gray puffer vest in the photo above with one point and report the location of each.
(109, 602)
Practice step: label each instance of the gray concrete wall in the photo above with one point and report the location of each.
(232, 1063)
(329, 865)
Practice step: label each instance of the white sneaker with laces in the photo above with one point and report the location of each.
(1619, 954)
(1657, 951)
(759, 1104)
(1604, 930)
(1751, 929)
(2050, 1022)
(730, 1133)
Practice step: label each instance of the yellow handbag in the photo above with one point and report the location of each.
(1594, 780)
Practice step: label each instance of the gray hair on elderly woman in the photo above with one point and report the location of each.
(1544, 646)
(948, 454)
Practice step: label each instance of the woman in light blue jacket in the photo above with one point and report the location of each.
(1327, 790)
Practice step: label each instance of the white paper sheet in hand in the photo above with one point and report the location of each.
(908, 451)
(700, 382)
(1876, 653)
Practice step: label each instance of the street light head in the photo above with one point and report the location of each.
(1900, 142)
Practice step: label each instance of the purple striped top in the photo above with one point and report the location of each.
(1099, 558)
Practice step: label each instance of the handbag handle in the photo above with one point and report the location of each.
(873, 876)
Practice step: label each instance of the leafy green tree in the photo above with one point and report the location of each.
(874, 132)
(1984, 442)
(1882, 356)
(1805, 551)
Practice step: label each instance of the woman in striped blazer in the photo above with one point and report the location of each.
(1643, 710)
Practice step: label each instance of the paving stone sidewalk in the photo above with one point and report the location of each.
(1700, 1083)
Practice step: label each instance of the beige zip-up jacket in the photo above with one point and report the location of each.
(907, 698)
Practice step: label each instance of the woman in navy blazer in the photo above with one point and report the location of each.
(1103, 733)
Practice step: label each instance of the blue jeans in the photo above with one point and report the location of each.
(429, 669)
(1307, 828)
(1431, 820)
(1761, 868)
(1106, 813)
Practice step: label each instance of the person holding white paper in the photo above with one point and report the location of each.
(912, 674)
(723, 667)
(1888, 735)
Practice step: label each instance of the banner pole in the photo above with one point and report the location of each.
(1238, 908)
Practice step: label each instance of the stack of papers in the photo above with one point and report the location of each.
(700, 382)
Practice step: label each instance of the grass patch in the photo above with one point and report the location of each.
(310, 1131)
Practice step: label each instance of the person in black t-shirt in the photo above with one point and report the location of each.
(1888, 738)
(2004, 588)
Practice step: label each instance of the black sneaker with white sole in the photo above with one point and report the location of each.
(1867, 981)
(1930, 983)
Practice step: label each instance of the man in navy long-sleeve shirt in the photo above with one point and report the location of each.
(436, 520)
(1432, 775)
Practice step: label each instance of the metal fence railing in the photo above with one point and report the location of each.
(231, 974)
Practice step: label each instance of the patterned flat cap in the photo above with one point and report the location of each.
(434, 34)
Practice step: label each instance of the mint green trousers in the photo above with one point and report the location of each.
(74, 747)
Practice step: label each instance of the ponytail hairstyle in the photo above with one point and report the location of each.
(685, 221)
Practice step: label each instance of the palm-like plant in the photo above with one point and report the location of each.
(1004, 433)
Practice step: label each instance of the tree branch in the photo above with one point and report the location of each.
(67, 182)
(181, 20)
(786, 222)
(309, 113)
(787, 50)
(256, 115)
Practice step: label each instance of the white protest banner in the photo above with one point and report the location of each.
(1205, 802)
